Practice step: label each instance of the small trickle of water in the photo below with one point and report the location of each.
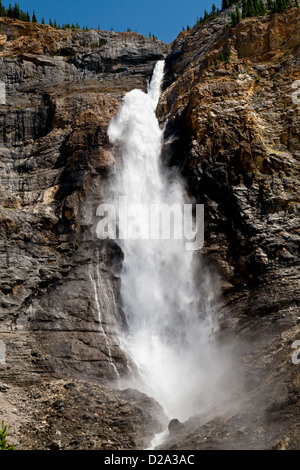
(98, 291)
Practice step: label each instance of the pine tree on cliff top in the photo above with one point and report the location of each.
(16, 11)
(2, 9)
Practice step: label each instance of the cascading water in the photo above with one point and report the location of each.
(168, 297)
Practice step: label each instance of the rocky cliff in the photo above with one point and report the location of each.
(59, 290)
(62, 87)
(233, 129)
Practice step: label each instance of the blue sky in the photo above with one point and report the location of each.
(164, 18)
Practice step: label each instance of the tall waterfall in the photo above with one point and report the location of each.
(168, 296)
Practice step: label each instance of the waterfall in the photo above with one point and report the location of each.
(168, 295)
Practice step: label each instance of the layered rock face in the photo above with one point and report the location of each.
(233, 128)
(59, 309)
(235, 133)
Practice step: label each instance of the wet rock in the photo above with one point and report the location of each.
(175, 426)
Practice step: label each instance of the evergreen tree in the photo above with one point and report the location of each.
(27, 17)
(10, 13)
(233, 19)
(16, 11)
(23, 16)
(43, 20)
(262, 7)
(34, 20)
(224, 4)
(238, 15)
(227, 52)
(245, 8)
(251, 8)
(256, 8)
(2, 9)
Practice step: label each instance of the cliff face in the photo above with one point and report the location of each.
(62, 87)
(59, 305)
(235, 134)
(233, 128)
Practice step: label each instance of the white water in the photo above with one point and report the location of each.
(168, 297)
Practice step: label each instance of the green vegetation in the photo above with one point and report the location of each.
(18, 14)
(224, 54)
(250, 8)
(3, 441)
(235, 16)
(14, 12)
(152, 36)
(207, 16)
(34, 20)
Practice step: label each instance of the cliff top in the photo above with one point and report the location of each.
(18, 37)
